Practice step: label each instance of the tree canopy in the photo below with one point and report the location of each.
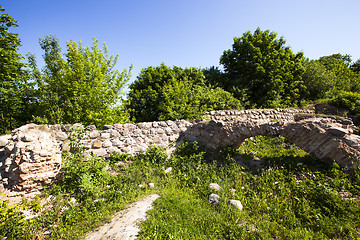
(345, 78)
(162, 93)
(266, 68)
(13, 84)
(82, 87)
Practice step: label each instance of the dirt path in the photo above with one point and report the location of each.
(124, 224)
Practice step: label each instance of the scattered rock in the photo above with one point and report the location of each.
(249, 227)
(168, 170)
(214, 186)
(214, 199)
(236, 204)
(141, 186)
(151, 185)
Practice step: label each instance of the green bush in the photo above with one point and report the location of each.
(350, 101)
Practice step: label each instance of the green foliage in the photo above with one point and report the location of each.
(10, 216)
(14, 91)
(153, 156)
(350, 101)
(83, 88)
(162, 93)
(319, 81)
(355, 67)
(346, 79)
(265, 68)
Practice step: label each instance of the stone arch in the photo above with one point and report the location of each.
(324, 137)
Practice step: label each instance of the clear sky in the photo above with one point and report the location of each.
(186, 33)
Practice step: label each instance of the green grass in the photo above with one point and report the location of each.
(292, 196)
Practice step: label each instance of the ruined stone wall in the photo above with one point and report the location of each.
(31, 156)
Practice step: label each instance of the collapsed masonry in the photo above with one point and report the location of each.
(30, 157)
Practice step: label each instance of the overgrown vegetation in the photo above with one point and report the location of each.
(292, 196)
(350, 101)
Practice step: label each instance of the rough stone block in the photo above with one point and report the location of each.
(96, 144)
(105, 135)
(114, 133)
(106, 144)
(94, 134)
(338, 132)
(99, 152)
(116, 142)
(4, 140)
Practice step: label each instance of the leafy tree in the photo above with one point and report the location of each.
(266, 68)
(319, 81)
(13, 85)
(82, 87)
(355, 67)
(162, 93)
(340, 66)
(215, 78)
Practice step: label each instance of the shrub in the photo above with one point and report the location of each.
(350, 101)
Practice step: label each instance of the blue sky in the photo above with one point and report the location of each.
(186, 33)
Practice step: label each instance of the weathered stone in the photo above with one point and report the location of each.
(96, 144)
(106, 144)
(339, 132)
(4, 140)
(116, 142)
(151, 185)
(107, 127)
(91, 128)
(29, 137)
(168, 170)
(99, 152)
(214, 199)
(236, 204)
(105, 135)
(111, 150)
(215, 187)
(114, 134)
(61, 136)
(94, 134)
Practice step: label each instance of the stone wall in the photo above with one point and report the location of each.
(31, 156)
